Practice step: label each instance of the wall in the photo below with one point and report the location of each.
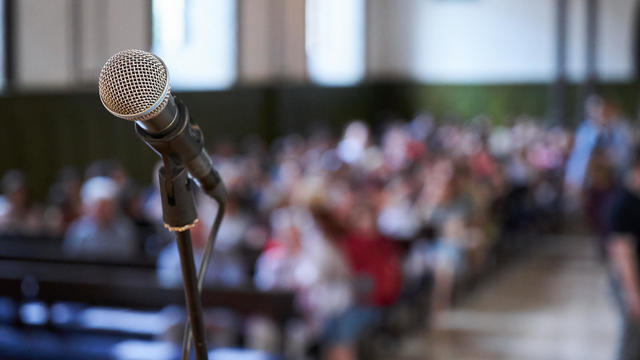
(107, 27)
(614, 57)
(64, 43)
(52, 130)
(255, 41)
(43, 31)
(615, 53)
(390, 38)
(271, 41)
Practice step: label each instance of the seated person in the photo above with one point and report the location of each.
(375, 264)
(65, 200)
(301, 258)
(17, 217)
(101, 231)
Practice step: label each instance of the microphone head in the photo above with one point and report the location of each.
(134, 85)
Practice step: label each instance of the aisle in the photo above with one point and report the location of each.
(555, 305)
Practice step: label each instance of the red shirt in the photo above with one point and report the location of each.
(377, 258)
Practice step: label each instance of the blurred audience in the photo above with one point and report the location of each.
(352, 225)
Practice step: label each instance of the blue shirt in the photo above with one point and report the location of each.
(86, 238)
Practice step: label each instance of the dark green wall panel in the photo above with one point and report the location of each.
(43, 132)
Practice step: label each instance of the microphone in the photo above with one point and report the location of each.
(134, 85)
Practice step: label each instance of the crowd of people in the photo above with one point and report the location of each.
(351, 224)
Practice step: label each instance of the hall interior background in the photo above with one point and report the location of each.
(52, 105)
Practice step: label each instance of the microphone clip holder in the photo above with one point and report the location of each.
(178, 208)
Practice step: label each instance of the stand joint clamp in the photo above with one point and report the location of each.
(178, 205)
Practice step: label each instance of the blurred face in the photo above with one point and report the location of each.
(608, 114)
(364, 220)
(103, 211)
(454, 228)
(134, 207)
(119, 176)
(633, 180)
(290, 172)
(18, 197)
(291, 238)
(73, 188)
(594, 110)
(358, 132)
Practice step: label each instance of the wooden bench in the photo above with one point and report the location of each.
(120, 285)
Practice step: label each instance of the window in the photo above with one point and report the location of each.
(463, 42)
(335, 41)
(197, 41)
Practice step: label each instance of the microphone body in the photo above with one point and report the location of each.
(134, 85)
(181, 139)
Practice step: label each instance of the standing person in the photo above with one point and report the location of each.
(604, 128)
(624, 253)
(599, 192)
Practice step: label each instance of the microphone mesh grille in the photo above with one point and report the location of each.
(133, 82)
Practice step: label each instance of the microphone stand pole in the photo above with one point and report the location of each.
(179, 215)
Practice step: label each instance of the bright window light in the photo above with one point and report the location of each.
(335, 41)
(197, 41)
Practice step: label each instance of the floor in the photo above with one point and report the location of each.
(555, 305)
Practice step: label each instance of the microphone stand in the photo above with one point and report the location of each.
(179, 215)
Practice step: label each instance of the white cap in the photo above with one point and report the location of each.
(98, 188)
